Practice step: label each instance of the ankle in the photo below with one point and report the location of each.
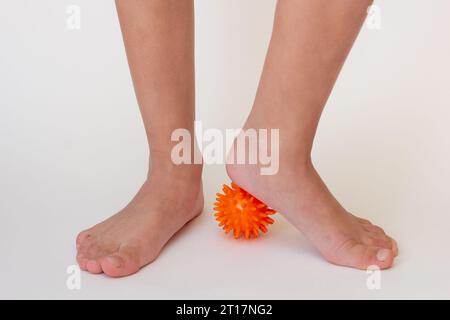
(183, 172)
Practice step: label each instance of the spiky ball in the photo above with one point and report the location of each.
(240, 212)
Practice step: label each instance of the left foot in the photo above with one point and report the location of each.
(299, 194)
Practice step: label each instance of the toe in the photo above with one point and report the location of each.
(93, 266)
(120, 264)
(88, 256)
(363, 256)
(81, 237)
(374, 229)
(364, 221)
(394, 247)
(380, 241)
(95, 251)
(82, 261)
(85, 244)
(114, 265)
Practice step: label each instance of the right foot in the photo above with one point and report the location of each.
(131, 239)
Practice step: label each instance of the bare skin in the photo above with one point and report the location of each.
(159, 39)
(310, 42)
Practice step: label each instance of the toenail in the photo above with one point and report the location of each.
(383, 254)
(114, 261)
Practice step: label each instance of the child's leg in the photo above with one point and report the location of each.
(310, 42)
(159, 38)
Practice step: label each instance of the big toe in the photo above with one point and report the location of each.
(362, 256)
(383, 241)
(366, 256)
(120, 264)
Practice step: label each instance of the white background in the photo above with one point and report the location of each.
(73, 151)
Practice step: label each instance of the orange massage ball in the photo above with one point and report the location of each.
(240, 212)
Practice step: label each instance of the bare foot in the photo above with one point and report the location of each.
(133, 238)
(299, 194)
